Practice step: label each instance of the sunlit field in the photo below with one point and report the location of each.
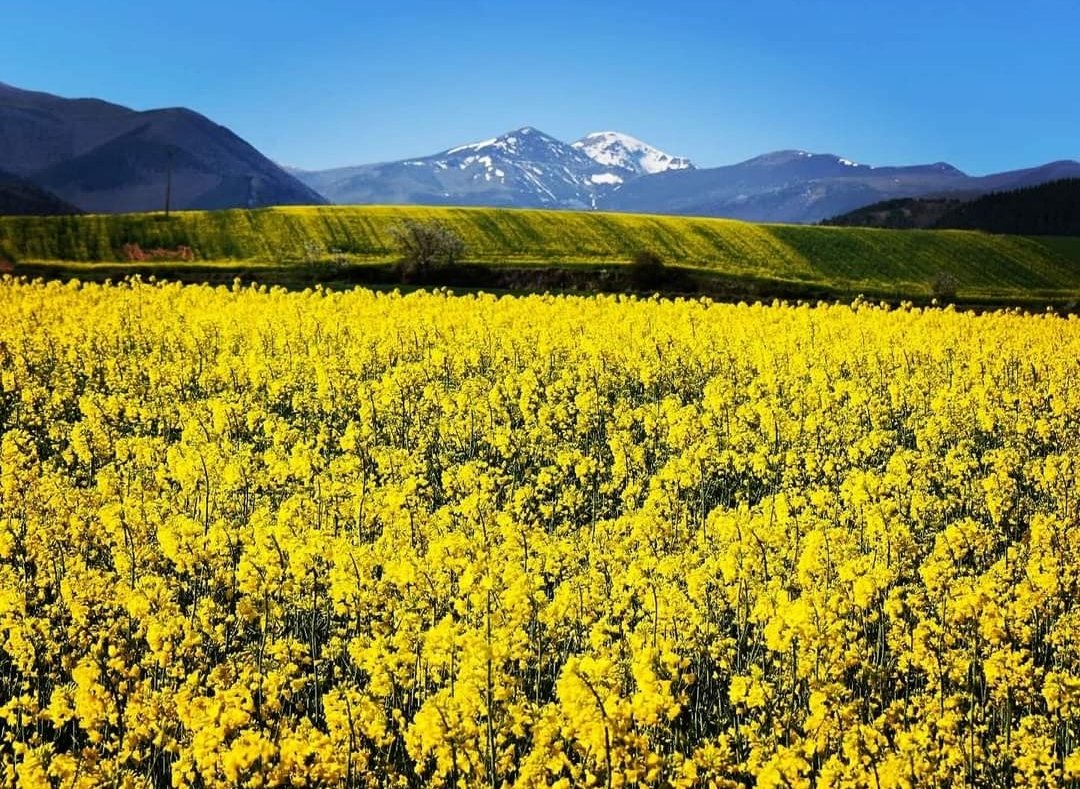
(775, 259)
(254, 538)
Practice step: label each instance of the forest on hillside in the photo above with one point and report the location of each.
(1051, 209)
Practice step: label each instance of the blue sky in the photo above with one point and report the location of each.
(985, 85)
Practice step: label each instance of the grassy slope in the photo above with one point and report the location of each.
(879, 261)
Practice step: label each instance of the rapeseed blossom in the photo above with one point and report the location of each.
(257, 538)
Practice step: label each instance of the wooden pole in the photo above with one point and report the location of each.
(168, 183)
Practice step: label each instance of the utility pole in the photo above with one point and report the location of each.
(168, 183)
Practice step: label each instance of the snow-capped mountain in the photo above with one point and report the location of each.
(623, 152)
(524, 168)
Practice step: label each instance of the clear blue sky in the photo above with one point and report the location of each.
(985, 85)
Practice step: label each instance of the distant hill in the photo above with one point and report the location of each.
(20, 197)
(785, 186)
(1051, 209)
(803, 187)
(105, 158)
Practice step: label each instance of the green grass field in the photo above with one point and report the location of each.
(841, 260)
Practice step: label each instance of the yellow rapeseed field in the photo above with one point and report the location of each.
(251, 538)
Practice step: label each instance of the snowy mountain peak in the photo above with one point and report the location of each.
(512, 143)
(621, 151)
(523, 167)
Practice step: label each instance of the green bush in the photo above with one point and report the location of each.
(426, 246)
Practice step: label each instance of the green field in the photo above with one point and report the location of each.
(839, 260)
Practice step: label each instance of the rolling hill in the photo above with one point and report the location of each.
(106, 158)
(843, 260)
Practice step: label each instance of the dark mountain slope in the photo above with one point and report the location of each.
(106, 158)
(19, 197)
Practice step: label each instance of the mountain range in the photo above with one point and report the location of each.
(60, 155)
(610, 171)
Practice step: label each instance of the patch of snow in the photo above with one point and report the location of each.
(474, 146)
(469, 161)
(848, 163)
(606, 178)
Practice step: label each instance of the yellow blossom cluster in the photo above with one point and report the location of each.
(251, 538)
